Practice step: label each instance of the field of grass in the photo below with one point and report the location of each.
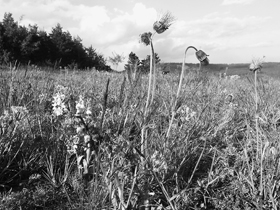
(73, 141)
(272, 69)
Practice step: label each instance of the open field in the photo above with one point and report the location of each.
(272, 69)
(74, 141)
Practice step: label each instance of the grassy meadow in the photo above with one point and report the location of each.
(75, 140)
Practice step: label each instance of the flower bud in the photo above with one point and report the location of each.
(256, 65)
(145, 38)
(202, 57)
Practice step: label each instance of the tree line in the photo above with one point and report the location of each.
(31, 45)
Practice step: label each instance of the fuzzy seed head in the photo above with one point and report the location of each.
(164, 23)
(256, 64)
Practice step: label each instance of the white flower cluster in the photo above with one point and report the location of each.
(158, 162)
(185, 113)
(59, 107)
(82, 107)
(83, 111)
(72, 145)
(58, 103)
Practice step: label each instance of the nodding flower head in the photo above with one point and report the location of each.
(202, 57)
(256, 64)
(146, 38)
(164, 23)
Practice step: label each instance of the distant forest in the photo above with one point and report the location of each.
(31, 45)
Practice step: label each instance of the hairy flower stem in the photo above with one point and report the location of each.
(149, 102)
(153, 63)
(178, 91)
(199, 69)
(259, 144)
(144, 144)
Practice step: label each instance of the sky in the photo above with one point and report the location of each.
(229, 31)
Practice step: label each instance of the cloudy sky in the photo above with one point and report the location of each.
(230, 31)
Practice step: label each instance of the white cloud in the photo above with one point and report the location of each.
(119, 29)
(215, 26)
(116, 30)
(230, 2)
(106, 30)
(261, 44)
(94, 24)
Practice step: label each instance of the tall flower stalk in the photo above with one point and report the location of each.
(146, 38)
(159, 27)
(255, 66)
(203, 59)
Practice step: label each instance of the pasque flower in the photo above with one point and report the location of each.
(145, 38)
(202, 57)
(159, 27)
(256, 64)
(163, 23)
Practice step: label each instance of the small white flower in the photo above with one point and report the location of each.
(87, 139)
(79, 130)
(80, 106)
(88, 112)
(57, 111)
